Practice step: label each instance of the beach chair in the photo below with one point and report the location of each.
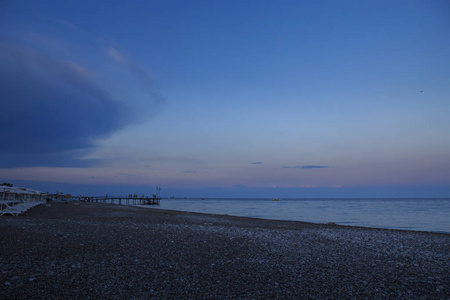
(11, 209)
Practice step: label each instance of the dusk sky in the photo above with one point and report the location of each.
(227, 98)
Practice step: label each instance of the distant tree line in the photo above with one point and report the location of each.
(7, 184)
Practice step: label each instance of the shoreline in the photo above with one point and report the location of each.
(408, 215)
(105, 250)
(330, 224)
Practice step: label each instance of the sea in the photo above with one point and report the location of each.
(431, 215)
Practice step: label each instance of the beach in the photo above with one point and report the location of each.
(93, 250)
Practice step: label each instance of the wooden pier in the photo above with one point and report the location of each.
(120, 200)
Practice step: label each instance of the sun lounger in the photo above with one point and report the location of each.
(9, 208)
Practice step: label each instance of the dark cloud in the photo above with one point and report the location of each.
(51, 108)
(256, 163)
(55, 159)
(306, 167)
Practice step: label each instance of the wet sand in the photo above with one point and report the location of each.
(90, 250)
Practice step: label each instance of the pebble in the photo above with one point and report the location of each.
(140, 253)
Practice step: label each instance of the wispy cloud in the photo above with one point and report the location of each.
(143, 78)
(190, 172)
(305, 167)
(256, 163)
(315, 167)
(115, 54)
(129, 175)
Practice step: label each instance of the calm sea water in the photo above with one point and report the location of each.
(412, 214)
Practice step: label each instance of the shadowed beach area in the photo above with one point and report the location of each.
(93, 251)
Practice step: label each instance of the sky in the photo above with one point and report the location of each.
(226, 98)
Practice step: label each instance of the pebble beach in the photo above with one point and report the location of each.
(105, 251)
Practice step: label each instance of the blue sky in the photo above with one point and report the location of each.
(227, 98)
